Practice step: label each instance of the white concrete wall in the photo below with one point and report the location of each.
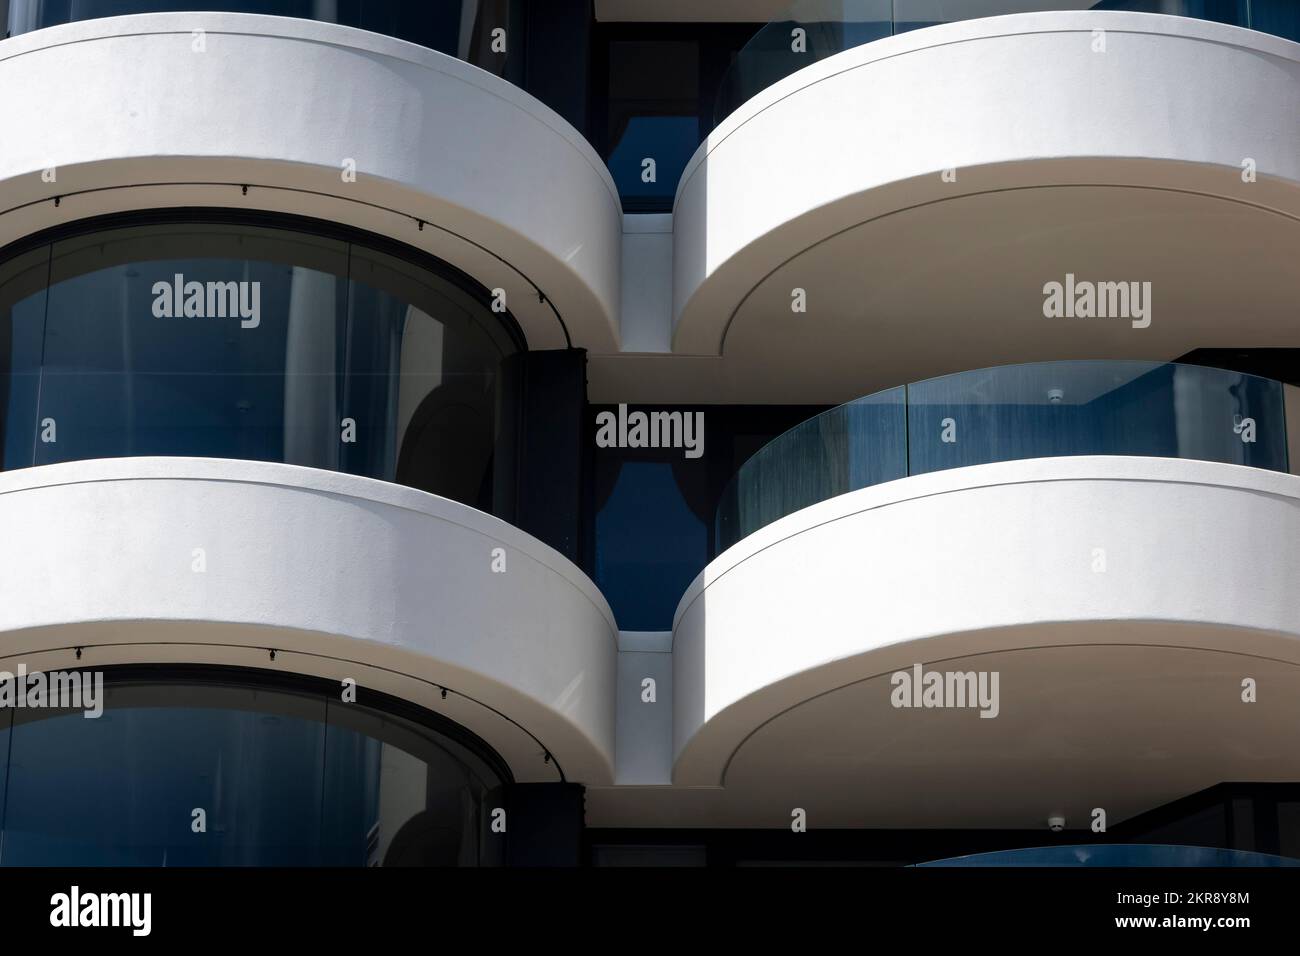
(646, 316)
(980, 560)
(132, 116)
(345, 576)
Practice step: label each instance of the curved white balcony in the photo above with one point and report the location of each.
(187, 109)
(1122, 600)
(155, 560)
(927, 186)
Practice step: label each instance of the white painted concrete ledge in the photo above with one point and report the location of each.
(980, 560)
(328, 569)
(132, 117)
(1012, 102)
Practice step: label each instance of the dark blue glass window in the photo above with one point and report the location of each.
(667, 141)
(1094, 408)
(650, 544)
(1009, 413)
(282, 777)
(22, 320)
(1279, 17)
(120, 789)
(219, 340)
(459, 28)
(914, 14)
(652, 117)
(120, 379)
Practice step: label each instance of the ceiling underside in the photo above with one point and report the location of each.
(970, 272)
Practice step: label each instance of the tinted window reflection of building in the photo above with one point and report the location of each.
(465, 29)
(299, 348)
(22, 314)
(281, 777)
(655, 509)
(397, 796)
(650, 544)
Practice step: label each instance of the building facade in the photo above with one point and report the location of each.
(640, 431)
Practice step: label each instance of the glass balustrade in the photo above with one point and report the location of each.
(811, 30)
(1042, 410)
(486, 33)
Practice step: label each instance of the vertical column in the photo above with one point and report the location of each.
(540, 467)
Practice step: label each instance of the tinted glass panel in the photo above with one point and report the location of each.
(422, 361)
(653, 122)
(459, 28)
(121, 789)
(648, 159)
(215, 774)
(396, 795)
(211, 341)
(1280, 17)
(22, 323)
(810, 30)
(649, 543)
(236, 341)
(854, 446)
(1095, 408)
(1013, 412)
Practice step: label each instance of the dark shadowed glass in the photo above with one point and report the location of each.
(460, 28)
(811, 30)
(1042, 410)
(213, 772)
(220, 340)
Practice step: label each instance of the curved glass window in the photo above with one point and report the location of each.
(223, 768)
(1042, 410)
(228, 340)
(811, 30)
(459, 28)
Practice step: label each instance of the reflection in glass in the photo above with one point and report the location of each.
(649, 544)
(1014, 412)
(22, 316)
(811, 30)
(282, 777)
(460, 28)
(854, 446)
(395, 795)
(1094, 408)
(808, 31)
(218, 340)
(668, 141)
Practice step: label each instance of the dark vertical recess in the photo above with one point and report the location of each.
(558, 63)
(541, 454)
(544, 824)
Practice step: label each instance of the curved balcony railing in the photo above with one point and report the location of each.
(486, 33)
(1043, 410)
(811, 30)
